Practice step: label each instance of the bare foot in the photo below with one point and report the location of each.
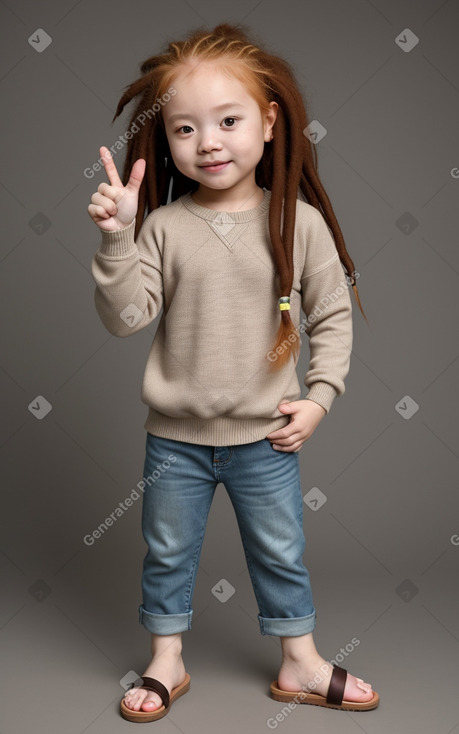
(296, 675)
(167, 667)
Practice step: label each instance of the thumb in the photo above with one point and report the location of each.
(137, 174)
(288, 407)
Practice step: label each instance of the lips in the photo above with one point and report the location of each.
(213, 163)
(215, 167)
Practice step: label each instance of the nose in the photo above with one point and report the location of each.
(208, 141)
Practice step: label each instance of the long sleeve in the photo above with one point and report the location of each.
(327, 305)
(128, 276)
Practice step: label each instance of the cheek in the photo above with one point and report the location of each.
(173, 140)
(178, 152)
(252, 141)
(251, 151)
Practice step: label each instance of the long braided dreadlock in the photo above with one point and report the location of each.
(288, 164)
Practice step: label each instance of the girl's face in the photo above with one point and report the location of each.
(212, 119)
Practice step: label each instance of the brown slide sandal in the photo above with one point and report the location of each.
(334, 699)
(155, 685)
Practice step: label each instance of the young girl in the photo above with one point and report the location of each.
(232, 258)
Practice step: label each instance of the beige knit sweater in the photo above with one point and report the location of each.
(214, 277)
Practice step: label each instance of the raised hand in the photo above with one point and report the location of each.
(114, 206)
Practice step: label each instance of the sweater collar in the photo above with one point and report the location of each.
(237, 216)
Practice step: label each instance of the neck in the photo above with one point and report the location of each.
(249, 201)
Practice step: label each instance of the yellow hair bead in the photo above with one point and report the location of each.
(284, 303)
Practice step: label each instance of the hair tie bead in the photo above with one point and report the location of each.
(284, 303)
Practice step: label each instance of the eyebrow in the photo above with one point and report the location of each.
(219, 107)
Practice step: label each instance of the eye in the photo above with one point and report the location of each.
(183, 126)
(230, 118)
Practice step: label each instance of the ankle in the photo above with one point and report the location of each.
(301, 658)
(166, 645)
(300, 650)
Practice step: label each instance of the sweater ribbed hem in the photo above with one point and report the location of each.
(220, 431)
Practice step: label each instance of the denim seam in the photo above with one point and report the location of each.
(194, 565)
(252, 575)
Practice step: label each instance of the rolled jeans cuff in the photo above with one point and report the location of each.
(287, 626)
(165, 624)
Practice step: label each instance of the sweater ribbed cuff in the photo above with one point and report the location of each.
(322, 393)
(118, 242)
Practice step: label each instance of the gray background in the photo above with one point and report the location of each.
(382, 551)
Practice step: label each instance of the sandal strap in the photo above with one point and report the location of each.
(336, 687)
(155, 685)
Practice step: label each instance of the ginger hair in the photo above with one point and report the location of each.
(288, 164)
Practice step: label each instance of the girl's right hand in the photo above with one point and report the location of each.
(114, 206)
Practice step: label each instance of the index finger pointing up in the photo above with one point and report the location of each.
(110, 168)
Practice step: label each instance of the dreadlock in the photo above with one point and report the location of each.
(289, 162)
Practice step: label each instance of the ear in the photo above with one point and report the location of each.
(270, 119)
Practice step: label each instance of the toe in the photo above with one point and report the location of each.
(141, 699)
(357, 690)
(365, 687)
(129, 699)
(151, 702)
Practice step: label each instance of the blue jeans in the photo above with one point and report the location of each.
(264, 488)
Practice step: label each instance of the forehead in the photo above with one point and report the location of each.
(205, 84)
(191, 71)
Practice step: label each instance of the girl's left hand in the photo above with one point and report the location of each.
(305, 417)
